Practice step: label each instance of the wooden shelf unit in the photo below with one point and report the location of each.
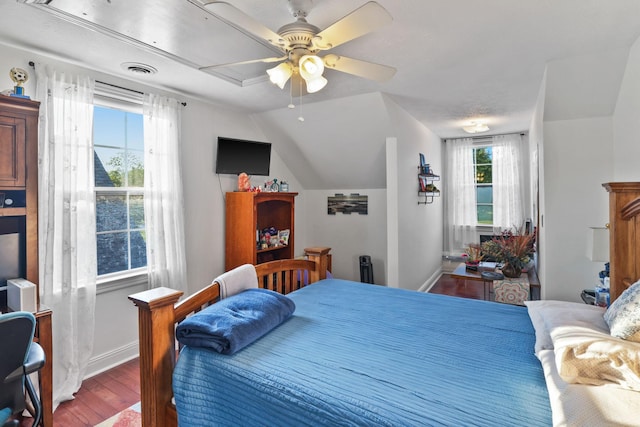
(248, 212)
(19, 173)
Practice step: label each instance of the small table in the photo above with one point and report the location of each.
(461, 273)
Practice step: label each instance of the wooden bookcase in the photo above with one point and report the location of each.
(249, 212)
(19, 176)
(19, 182)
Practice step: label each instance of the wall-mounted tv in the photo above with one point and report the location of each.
(235, 156)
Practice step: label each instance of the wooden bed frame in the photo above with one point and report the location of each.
(159, 311)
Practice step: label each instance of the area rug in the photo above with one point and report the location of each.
(130, 417)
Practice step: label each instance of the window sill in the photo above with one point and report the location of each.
(116, 281)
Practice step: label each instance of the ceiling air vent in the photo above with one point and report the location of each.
(138, 68)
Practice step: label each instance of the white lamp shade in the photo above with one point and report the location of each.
(311, 67)
(316, 84)
(598, 244)
(280, 74)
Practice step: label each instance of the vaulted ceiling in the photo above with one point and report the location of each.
(456, 60)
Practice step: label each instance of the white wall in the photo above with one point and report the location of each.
(578, 158)
(419, 227)
(350, 236)
(626, 150)
(204, 190)
(536, 155)
(579, 155)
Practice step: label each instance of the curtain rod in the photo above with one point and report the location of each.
(184, 104)
(487, 137)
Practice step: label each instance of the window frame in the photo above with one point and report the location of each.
(108, 96)
(484, 184)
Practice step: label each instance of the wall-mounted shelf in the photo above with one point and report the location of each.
(426, 187)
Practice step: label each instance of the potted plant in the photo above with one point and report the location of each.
(512, 249)
(472, 256)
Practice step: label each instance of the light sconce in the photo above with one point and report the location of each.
(476, 127)
(598, 244)
(280, 74)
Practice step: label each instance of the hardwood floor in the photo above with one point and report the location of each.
(461, 288)
(100, 397)
(110, 392)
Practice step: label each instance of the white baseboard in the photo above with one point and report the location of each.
(431, 281)
(104, 362)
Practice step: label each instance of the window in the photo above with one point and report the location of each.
(119, 186)
(482, 164)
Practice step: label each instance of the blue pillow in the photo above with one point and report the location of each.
(623, 316)
(235, 322)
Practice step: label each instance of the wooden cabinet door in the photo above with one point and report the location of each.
(12, 152)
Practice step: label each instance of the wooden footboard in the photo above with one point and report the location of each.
(159, 311)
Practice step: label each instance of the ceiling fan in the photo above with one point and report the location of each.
(300, 43)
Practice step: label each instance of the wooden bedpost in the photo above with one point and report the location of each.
(319, 255)
(157, 352)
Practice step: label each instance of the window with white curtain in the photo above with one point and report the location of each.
(119, 188)
(484, 186)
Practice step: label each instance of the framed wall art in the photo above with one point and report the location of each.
(347, 204)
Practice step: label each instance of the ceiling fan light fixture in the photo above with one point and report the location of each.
(476, 127)
(311, 67)
(316, 84)
(280, 74)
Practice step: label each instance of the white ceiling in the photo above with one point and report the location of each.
(456, 60)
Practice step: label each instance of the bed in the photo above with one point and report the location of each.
(360, 354)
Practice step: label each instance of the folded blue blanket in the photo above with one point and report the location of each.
(235, 322)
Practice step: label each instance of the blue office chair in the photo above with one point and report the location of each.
(19, 357)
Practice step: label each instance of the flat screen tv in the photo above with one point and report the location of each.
(237, 155)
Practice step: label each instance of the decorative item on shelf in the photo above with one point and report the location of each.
(284, 187)
(424, 166)
(472, 256)
(19, 77)
(426, 177)
(272, 186)
(513, 249)
(244, 182)
(269, 237)
(430, 188)
(283, 237)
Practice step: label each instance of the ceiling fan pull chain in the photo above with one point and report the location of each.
(300, 118)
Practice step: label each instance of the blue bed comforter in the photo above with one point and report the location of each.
(362, 355)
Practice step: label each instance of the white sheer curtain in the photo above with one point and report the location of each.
(163, 207)
(460, 192)
(67, 230)
(508, 182)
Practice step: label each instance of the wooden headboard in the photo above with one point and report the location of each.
(624, 235)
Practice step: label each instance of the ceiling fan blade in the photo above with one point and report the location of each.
(252, 61)
(240, 20)
(361, 21)
(368, 70)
